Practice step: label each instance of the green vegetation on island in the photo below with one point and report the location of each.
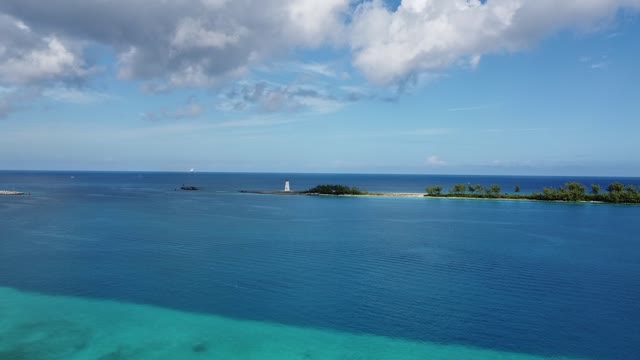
(335, 190)
(617, 193)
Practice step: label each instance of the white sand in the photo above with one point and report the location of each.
(8, 192)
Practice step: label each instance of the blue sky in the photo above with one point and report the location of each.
(422, 86)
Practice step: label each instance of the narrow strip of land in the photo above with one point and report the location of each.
(574, 192)
(9, 192)
(405, 195)
(409, 195)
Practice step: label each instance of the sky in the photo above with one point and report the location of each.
(517, 87)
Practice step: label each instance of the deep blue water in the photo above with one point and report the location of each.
(538, 278)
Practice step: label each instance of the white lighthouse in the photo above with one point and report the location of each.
(286, 185)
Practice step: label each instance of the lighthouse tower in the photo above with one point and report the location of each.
(286, 185)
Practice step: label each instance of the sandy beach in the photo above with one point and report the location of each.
(411, 195)
(8, 192)
(404, 195)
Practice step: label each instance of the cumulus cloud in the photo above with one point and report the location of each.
(205, 43)
(392, 46)
(28, 58)
(167, 44)
(320, 69)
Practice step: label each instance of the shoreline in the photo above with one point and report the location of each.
(523, 199)
(301, 193)
(11, 193)
(426, 196)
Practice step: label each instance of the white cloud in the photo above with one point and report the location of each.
(322, 105)
(435, 161)
(204, 43)
(596, 63)
(475, 61)
(312, 22)
(192, 33)
(46, 60)
(320, 69)
(600, 65)
(22, 26)
(431, 35)
(165, 44)
(272, 97)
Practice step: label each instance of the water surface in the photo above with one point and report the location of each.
(419, 277)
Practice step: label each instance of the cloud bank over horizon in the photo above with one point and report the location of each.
(209, 43)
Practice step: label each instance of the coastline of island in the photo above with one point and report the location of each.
(400, 195)
(573, 192)
(306, 193)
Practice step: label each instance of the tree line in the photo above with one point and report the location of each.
(573, 191)
(335, 190)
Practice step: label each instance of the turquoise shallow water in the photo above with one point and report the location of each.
(47, 327)
(439, 277)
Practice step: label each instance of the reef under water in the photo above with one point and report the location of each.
(43, 327)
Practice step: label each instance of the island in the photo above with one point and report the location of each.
(343, 190)
(333, 190)
(616, 193)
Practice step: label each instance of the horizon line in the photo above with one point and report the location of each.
(312, 173)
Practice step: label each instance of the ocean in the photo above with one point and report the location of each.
(121, 265)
